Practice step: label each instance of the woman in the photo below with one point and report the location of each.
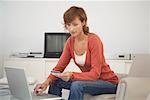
(86, 49)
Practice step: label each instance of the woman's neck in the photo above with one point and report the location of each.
(81, 37)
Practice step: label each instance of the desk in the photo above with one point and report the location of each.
(43, 96)
(10, 97)
(7, 97)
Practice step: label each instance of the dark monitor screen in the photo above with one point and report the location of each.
(54, 44)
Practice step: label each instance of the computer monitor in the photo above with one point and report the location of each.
(54, 44)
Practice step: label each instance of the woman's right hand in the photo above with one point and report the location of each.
(39, 88)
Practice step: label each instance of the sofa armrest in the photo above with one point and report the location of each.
(133, 88)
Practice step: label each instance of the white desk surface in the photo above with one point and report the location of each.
(7, 97)
(10, 97)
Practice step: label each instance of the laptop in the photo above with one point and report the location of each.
(19, 87)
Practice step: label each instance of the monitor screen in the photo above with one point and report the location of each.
(54, 44)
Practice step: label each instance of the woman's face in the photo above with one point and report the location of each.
(75, 28)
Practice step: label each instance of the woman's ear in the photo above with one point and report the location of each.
(83, 23)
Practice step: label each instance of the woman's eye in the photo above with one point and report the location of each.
(68, 24)
(75, 24)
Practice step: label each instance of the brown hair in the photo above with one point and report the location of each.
(74, 12)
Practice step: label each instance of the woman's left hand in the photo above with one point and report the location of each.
(66, 76)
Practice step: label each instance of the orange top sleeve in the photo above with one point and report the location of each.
(63, 61)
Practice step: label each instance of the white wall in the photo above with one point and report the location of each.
(0, 39)
(149, 30)
(122, 26)
(76, 0)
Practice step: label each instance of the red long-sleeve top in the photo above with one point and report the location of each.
(95, 67)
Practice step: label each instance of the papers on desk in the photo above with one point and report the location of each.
(4, 88)
(3, 81)
(4, 92)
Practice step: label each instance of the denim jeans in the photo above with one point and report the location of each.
(78, 88)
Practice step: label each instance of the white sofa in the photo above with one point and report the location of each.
(129, 88)
(135, 86)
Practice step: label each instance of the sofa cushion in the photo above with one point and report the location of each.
(120, 75)
(90, 97)
(100, 97)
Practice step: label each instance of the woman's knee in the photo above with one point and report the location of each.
(76, 85)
